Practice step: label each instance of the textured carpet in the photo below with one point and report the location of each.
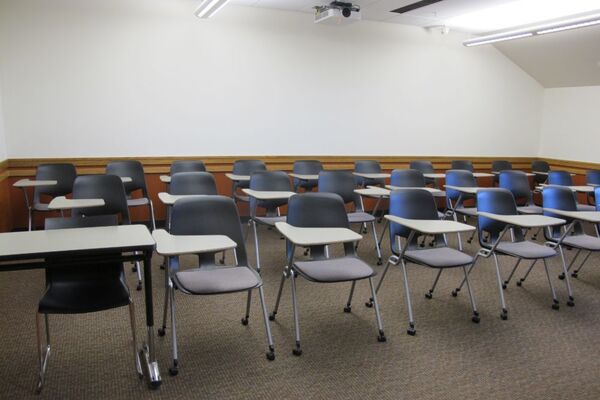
(538, 353)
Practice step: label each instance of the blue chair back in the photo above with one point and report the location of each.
(340, 183)
(562, 178)
(467, 165)
(459, 177)
(275, 181)
(246, 167)
(593, 177)
(518, 183)
(407, 178)
(367, 166)
(187, 166)
(559, 198)
(496, 201)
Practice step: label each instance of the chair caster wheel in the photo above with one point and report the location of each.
(347, 309)
(173, 371)
(245, 321)
(519, 283)
(475, 319)
(429, 295)
(381, 338)
(504, 315)
(271, 355)
(297, 352)
(454, 293)
(574, 274)
(379, 261)
(162, 266)
(411, 331)
(271, 317)
(134, 269)
(161, 332)
(306, 252)
(571, 303)
(561, 276)
(369, 304)
(469, 241)
(504, 285)
(555, 306)
(139, 287)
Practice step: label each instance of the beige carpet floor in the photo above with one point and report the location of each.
(538, 353)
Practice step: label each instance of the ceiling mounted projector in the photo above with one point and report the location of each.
(337, 12)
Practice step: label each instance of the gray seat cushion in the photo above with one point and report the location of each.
(440, 257)
(585, 207)
(340, 269)
(470, 211)
(585, 242)
(270, 220)
(532, 210)
(525, 249)
(138, 202)
(217, 280)
(359, 217)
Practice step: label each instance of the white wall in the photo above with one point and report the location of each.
(571, 124)
(131, 77)
(3, 152)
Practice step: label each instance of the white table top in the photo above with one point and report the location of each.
(373, 191)
(170, 199)
(595, 185)
(482, 175)
(526, 173)
(431, 226)
(465, 189)
(435, 175)
(580, 189)
(171, 245)
(237, 178)
(546, 173)
(268, 195)
(372, 175)
(304, 177)
(433, 191)
(39, 244)
(316, 236)
(524, 220)
(587, 216)
(24, 183)
(62, 203)
(126, 179)
(165, 178)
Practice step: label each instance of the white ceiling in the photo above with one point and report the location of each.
(569, 58)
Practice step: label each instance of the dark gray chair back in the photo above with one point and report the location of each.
(246, 167)
(107, 187)
(272, 181)
(132, 169)
(187, 166)
(540, 166)
(407, 178)
(369, 167)
(63, 174)
(307, 167)
(184, 183)
(340, 183)
(467, 165)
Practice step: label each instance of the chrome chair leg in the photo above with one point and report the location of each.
(138, 269)
(411, 321)
(562, 274)
(475, 318)
(504, 314)
(256, 246)
(271, 347)
(248, 302)
(574, 273)
(571, 301)
(151, 206)
(507, 281)
(429, 294)
(520, 281)
(555, 305)
(348, 307)
(168, 287)
(297, 349)
(138, 365)
(385, 270)
(43, 349)
(381, 336)
(376, 243)
(272, 315)
(174, 369)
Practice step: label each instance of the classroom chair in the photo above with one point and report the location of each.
(370, 167)
(455, 200)
(307, 167)
(187, 166)
(426, 167)
(244, 167)
(63, 174)
(540, 166)
(564, 178)
(466, 165)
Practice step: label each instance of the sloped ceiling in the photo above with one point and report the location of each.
(570, 58)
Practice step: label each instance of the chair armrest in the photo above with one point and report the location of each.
(431, 226)
(172, 245)
(524, 221)
(587, 216)
(316, 236)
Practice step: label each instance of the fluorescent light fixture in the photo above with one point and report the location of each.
(559, 26)
(208, 8)
(520, 13)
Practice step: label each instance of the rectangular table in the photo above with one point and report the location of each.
(81, 246)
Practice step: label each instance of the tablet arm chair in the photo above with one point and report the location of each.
(210, 215)
(322, 211)
(186, 166)
(342, 184)
(134, 170)
(78, 289)
(244, 167)
(369, 167)
(277, 181)
(540, 166)
(307, 167)
(191, 183)
(564, 178)
(499, 166)
(426, 167)
(466, 165)
(63, 174)
(455, 199)
(518, 184)
(420, 205)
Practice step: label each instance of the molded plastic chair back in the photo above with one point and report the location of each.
(187, 166)
(277, 181)
(501, 165)
(247, 167)
(77, 289)
(210, 215)
(540, 166)
(107, 187)
(338, 182)
(318, 210)
(518, 183)
(132, 169)
(307, 167)
(562, 178)
(63, 174)
(367, 166)
(559, 198)
(193, 183)
(593, 177)
(424, 166)
(459, 177)
(466, 165)
(407, 178)
(496, 201)
(411, 204)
